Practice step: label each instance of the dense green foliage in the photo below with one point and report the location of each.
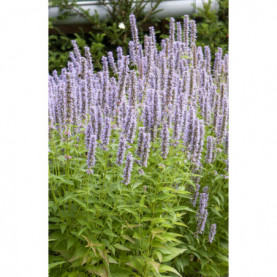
(101, 227)
(104, 36)
(212, 27)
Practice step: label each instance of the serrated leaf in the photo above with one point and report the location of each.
(108, 232)
(99, 270)
(117, 271)
(171, 252)
(55, 264)
(126, 237)
(112, 260)
(121, 247)
(137, 263)
(155, 265)
(166, 268)
(158, 255)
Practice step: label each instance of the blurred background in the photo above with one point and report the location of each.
(103, 25)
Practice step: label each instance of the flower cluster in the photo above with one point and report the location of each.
(166, 97)
(202, 211)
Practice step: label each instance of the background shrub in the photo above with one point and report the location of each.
(212, 30)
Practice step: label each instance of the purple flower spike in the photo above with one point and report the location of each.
(107, 131)
(121, 149)
(112, 63)
(134, 31)
(128, 169)
(89, 59)
(91, 152)
(172, 31)
(146, 149)
(202, 211)
(192, 31)
(140, 141)
(76, 51)
(196, 194)
(88, 135)
(186, 32)
(210, 149)
(165, 140)
(212, 232)
(179, 31)
(69, 98)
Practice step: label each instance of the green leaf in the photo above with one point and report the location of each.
(112, 260)
(108, 232)
(121, 247)
(171, 252)
(63, 227)
(99, 270)
(158, 255)
(155, 265)
(126, 237)
(70, 243)
(117, 271)
(166, 268)
(55, 264)
(82, 230)
(137, 263)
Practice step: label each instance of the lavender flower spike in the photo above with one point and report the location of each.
(210, 149)
(128, 169)
(165, 140)
(146, 148)
(121, 150)
(202, 211)
(140, 141)
(212, 232)
(134, 31)
(91, 152)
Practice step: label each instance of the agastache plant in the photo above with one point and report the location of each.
(149, 96)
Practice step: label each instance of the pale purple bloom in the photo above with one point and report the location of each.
(179, 31)
(88, 135)
(192, 31)
(112, 63)
(69, 98)
(172, 31)
(91, 152)
(134, 31)
(89, 59)
(212, 232)
(128, 169)
(210, 149)
(121, 149)
(132, 130)
(146, 149)
(202, 211)
(107, 131)
(140, 141)
(165, 140)
(186, 32)
(196, 194)
(76, 51)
